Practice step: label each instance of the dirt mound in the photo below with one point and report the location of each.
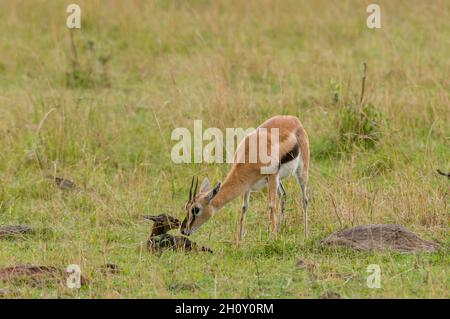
(379, 237)
(21, 271)
(14, 231)
(62, 183)
(4, 292)
(34, 273)
(329, 294)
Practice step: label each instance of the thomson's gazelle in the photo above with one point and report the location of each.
(290, 149)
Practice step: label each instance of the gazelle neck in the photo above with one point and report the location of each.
(231, 188)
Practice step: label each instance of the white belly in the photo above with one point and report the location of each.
(258, 185)
(286, 170)
(289, 168)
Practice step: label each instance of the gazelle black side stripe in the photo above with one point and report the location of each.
(292, 154)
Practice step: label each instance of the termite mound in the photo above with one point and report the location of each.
(380, 237)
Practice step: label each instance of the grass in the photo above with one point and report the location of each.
(149, 67)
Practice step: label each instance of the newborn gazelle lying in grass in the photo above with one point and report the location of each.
(289, 153)
(159, 240)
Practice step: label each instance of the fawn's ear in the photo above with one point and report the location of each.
(153, 218)
(214, 192)
(205, 185)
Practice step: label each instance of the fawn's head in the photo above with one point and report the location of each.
(198, 208)
(163, 223)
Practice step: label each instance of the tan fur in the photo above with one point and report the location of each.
(243, 176)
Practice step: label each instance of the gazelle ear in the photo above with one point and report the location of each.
(205, 185)
(214, 192)
(156, 218)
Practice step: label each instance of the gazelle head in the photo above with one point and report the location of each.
(198, 208)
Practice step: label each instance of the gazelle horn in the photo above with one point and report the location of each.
(190, 189)
(196, 184)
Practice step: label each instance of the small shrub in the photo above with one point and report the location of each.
(359, 126)
(89, 70)
(78, 78)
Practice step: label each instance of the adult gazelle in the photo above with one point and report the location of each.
(287, 144)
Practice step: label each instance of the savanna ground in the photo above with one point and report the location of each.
(144, 68)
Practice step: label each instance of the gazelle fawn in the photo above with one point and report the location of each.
(289, 155)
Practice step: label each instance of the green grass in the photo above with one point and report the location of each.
(231, 64)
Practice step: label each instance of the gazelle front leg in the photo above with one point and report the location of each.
(302, 178)
(272, 185)
(243, 213)
(282, 195)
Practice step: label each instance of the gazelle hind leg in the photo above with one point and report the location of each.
(245, 204)
(282, 195)
(301, 178)
(273, 181)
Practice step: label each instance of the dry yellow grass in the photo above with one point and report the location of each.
(231, 64)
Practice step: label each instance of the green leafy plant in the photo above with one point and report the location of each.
(89, 70)
(360, 126)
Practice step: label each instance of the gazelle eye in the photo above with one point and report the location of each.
(195, 210)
